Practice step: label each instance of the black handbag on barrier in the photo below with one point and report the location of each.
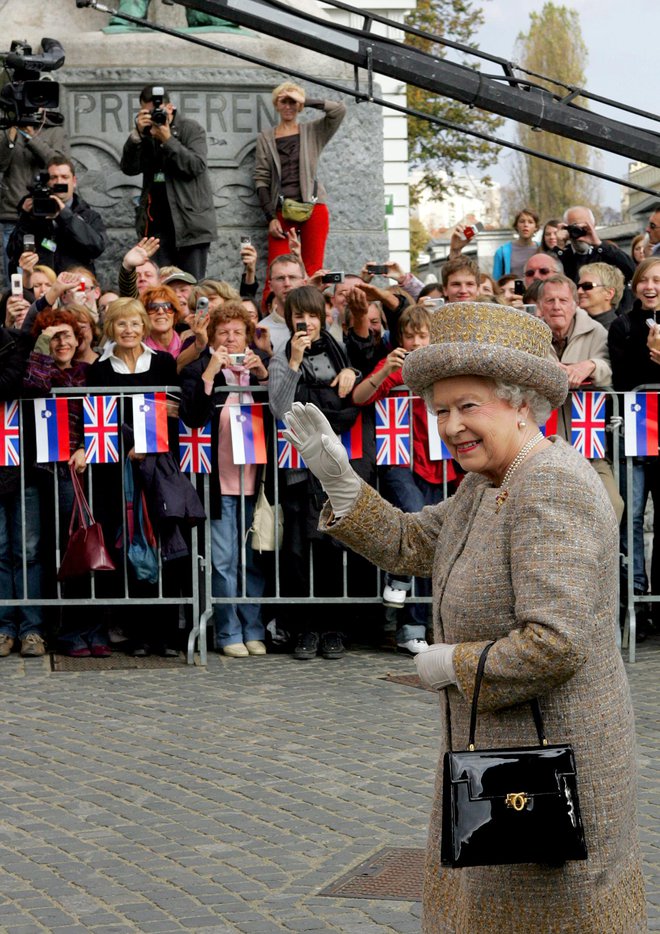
(510, 805)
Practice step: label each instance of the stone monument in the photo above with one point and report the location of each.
(100, 82)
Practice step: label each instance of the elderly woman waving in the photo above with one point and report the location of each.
(523, 556)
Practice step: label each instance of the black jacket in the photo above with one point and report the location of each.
(14, 351)
(189, 192)
(631, 362)
(78, 232)
(605, 253)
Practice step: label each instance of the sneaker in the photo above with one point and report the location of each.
(393, 598)
(332, 646)
(6, 644)
(307, 645)
(33, 645)
(413, 646)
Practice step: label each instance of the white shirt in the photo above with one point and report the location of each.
(119, 366)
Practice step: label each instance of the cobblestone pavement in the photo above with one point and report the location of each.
(226, 800)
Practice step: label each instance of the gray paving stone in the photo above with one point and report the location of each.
(224, 801)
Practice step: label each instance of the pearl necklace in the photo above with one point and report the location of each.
(503, 494)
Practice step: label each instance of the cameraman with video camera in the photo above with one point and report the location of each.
(176, 204)
(66, 230)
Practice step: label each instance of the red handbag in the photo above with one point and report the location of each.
(85, 550)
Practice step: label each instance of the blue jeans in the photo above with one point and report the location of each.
(646, 479)
(19, 621)
(411, 493)
(235, 622)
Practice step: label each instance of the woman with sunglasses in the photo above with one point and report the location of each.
(600, 289)
(162, 305)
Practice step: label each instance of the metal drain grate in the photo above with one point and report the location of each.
(118, 662)
(394, 872)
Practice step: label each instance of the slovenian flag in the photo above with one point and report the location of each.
(438, 450)
(195, 448)
(352, 439)
(101, 428)
(150, 423)
(641, 424)
(248, 437)
(10, 449)
(51, 420)
(550, 427)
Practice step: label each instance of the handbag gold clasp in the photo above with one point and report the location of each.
(516, 800)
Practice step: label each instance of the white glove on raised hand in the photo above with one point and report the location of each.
(311, 433)
(435, 666)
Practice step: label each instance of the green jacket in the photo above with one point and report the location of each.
(187, 181)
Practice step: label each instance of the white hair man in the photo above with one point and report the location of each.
(580, 244)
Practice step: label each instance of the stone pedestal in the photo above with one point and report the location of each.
(100, 83)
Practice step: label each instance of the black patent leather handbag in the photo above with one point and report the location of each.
(510, 805)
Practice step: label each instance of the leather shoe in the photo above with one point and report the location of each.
(235, 650)
(6, 644)
(255, 647)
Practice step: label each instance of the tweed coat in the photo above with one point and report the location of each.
(539, 577)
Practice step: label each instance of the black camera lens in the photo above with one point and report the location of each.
(575, 231)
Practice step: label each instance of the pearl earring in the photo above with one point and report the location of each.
(522, 424)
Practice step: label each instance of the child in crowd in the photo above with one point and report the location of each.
(408, 489)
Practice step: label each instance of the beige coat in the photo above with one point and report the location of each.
(587, 342)
(539, 577)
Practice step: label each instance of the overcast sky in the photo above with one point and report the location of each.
(622, 64)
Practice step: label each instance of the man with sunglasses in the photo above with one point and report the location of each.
(653, 230)
(541, 266)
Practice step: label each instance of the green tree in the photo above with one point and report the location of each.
(441, 154)
(553, 46)
(419, 240)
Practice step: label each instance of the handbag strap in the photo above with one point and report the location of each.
(534, 704)
(81, 509)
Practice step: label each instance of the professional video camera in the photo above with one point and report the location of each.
(42, 193)
(26, 99)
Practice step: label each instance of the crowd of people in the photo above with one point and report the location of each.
(310, 335)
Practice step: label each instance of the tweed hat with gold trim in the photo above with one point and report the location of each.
(496, 341)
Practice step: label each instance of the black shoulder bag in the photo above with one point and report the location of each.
(510, 805)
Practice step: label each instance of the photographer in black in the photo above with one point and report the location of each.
(579, 244)
(66, 230)
(176, 204)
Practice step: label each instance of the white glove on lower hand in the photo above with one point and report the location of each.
(435, 666)
(310, 432)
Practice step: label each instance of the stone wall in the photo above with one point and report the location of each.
(233, 105)
(100, 81)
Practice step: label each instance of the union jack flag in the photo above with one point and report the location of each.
(10, 451)
(287, 455)
(393, 431)
(195, 448)
(588, 423)
(101, 430)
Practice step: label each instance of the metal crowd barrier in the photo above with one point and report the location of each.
(197, 582)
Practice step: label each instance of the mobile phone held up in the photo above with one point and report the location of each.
(202, 306)
(17, 283)
(471, 230)
(302, 327)
(332, 278)
(28, 243)
(519, 287)
(245, 241)
(377, 269)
